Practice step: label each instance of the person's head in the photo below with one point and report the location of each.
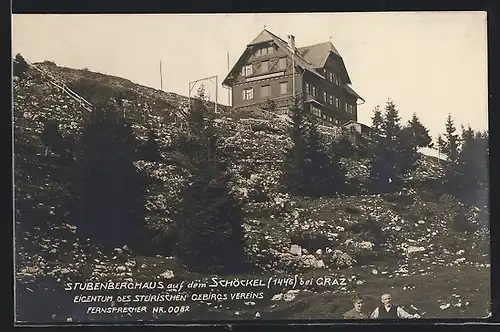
(386, 299)
(357, 301)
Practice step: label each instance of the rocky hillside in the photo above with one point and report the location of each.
(412, 243)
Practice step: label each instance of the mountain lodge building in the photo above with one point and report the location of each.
(264, 72)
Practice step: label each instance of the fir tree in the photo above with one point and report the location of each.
(471, 171)
(420, 133)
(449, 145)
(295, 163)
(208, 219)
(385, 165)
(377, 121)
(308, 169)
(324, 173)
(412, 137)
(108, 191)
(408, 148)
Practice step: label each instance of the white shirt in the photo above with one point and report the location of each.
(400, 312)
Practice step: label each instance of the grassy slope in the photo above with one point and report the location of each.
(46, 259)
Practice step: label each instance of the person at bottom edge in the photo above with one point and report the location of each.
(389, 311)
(357, 311)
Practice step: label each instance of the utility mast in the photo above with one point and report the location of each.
(161, 78)
(228, 90)
(291, 39)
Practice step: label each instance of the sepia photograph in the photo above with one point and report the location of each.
(250, 167)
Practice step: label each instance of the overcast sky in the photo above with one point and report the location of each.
(428, 63)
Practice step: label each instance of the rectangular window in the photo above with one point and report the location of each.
(325, 96)
(313, 88)
(270, 50)
(283, 88)
(282, 63)
(248, 94)
(330, 101)
(330, 77)
(308, 88)
(337, 80)
(349, 108)
(258, 52)
(337, 102)
(264, 66)
(265, 91)
(316, 111)
(247, 70)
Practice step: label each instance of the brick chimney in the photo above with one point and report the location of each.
(291, 41)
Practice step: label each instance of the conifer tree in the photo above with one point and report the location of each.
(449, 144)
(471, 172)
(295, 162)
(308, 169)
(324, 173)
(385, 164)
(413, 137)
(208, 218)
(108, 191)
(420, 133)
(377, 120)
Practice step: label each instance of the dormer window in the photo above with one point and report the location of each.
(247, 70)
(264, 51)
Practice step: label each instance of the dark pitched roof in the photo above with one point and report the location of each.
(263, 37)
(308, 57)
(266, 36)
(349, 90)
(317, 54)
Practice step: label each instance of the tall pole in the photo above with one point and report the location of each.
(189, 97)
(161, 78)
(293, 73)
(216, 92)
(228, 90)
(292, 45)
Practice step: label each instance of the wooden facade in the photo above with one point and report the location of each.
(264, 72)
